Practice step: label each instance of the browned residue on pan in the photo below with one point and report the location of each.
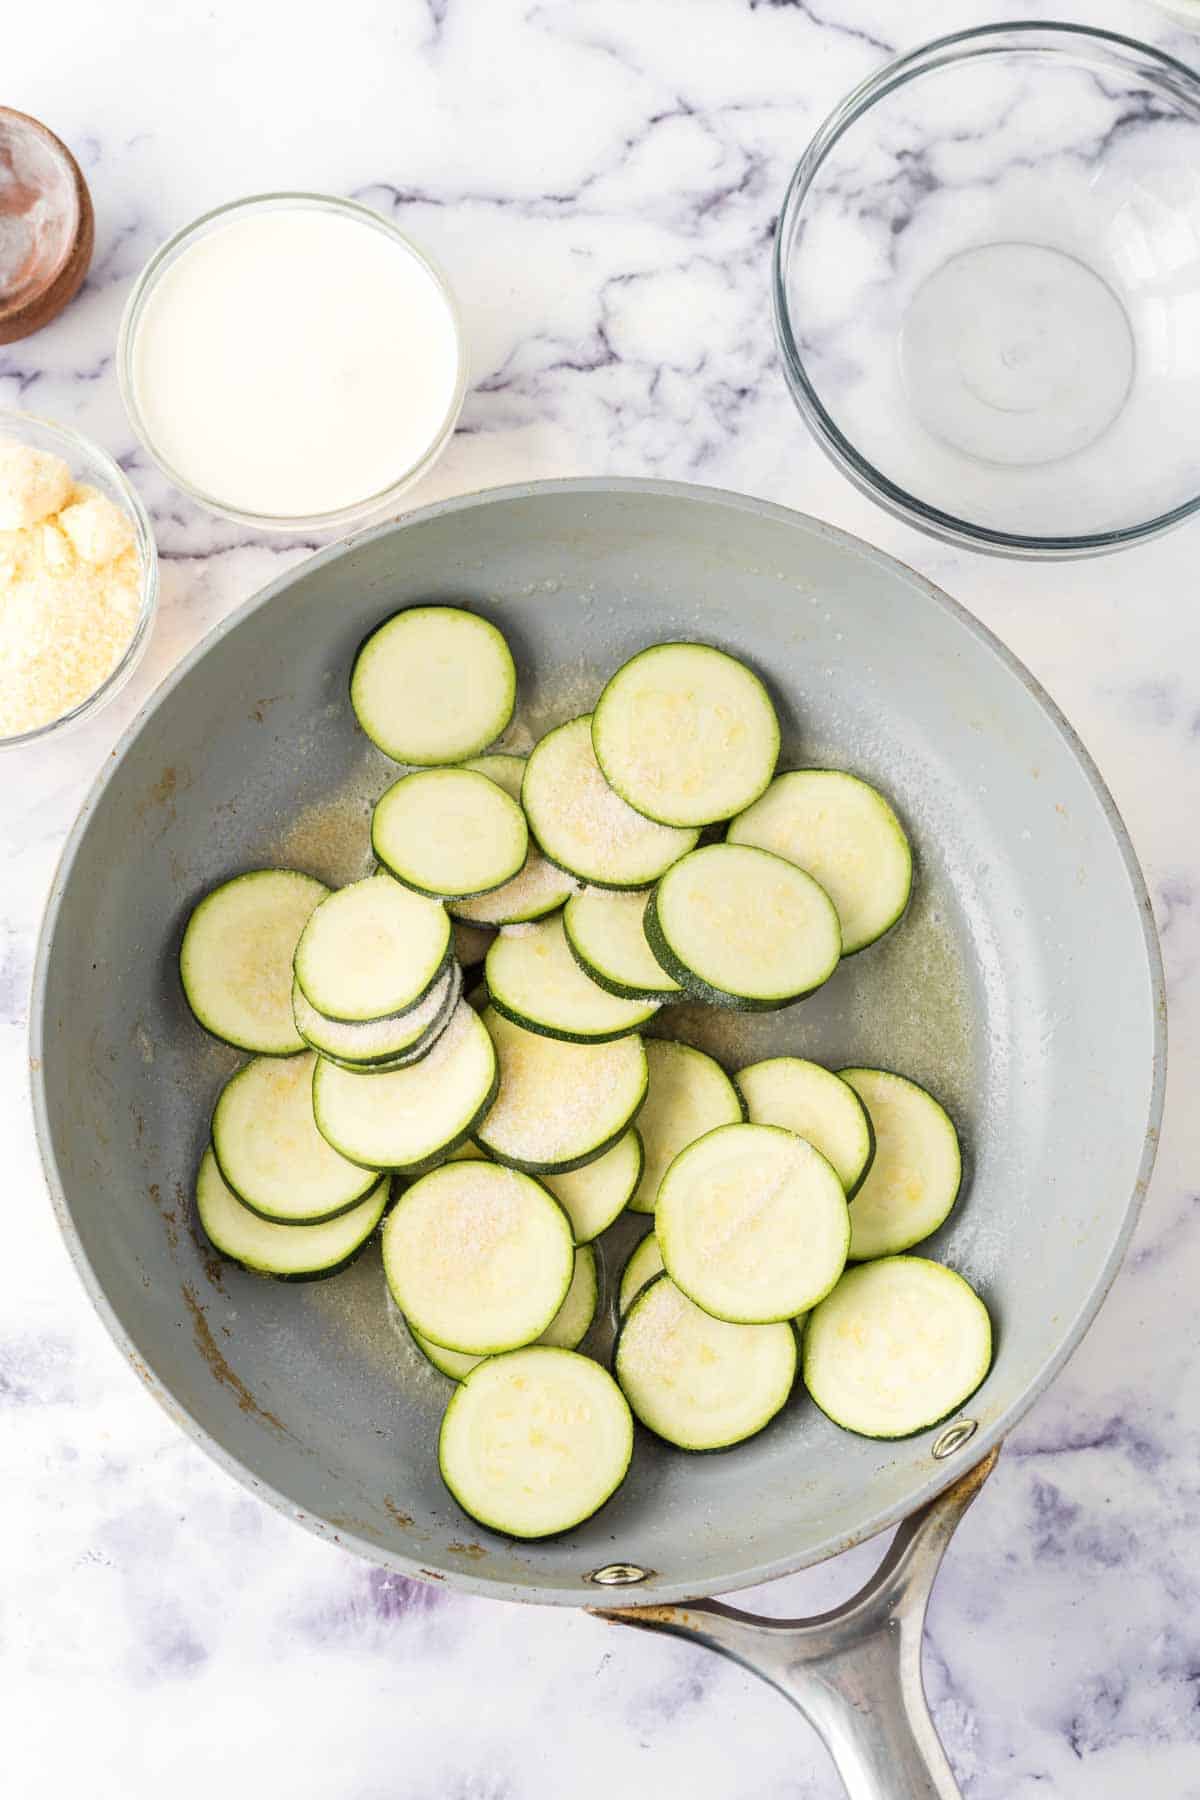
(220, 1370)
(403, 1519)
(259, 709)
(161, 795)
(474, 1550)
(210, 1261)
(168, 1214)
(432, 1575)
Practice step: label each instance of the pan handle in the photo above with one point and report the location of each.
(855, 1673)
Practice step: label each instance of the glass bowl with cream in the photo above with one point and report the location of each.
(292, 361)
(78, 579)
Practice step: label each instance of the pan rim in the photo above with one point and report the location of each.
(942, 1474)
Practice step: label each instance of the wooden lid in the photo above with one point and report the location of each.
(47, 228)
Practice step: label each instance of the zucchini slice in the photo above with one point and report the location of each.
(449, 833)
(372, 949)
(404, 1037)
(896, 1347)
(914, 1180)
(686, 734)
(270, 1151)
(535, 981)
(739, 927)
(566, 1330)
(592, 1197)
(844, 833)
(535, 1442)
(696, 1381)
(815, 1104)
(559, 1106)
(539, 888)
(235, 960)
(471, 942)
(642, 1264)
(478, 1258)
(433, 684)
(288, 1252)
(607, 937)
(689, 1094)
(752, 1224)
(582, 825)
(400, 1118)
(500, 766)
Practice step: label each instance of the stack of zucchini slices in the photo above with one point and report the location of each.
(642, 854)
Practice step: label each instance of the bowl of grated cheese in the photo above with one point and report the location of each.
(78, 578)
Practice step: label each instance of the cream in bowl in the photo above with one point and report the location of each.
(292, 360)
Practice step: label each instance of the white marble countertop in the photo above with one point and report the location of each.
(599, 178)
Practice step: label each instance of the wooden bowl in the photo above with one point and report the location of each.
(47, 227)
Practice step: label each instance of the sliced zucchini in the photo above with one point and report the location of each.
(752, 1224)
(478, 1258)
(582, 825)
(915, 1177)
(400, 1118)
(568, 1328)
(897, 1346)
(686, 734)
(844, 833)
(688, 1095)
(433, 684)
(535, 1442)
(539, 888)
(642, 1264)
(697, 1381)
(449, 833)
(235, 961)
(271, 1153)
(535, 981)
(506, 770)
(471, 942)
(372, 949)
(403, 1037)
(288, 1252)
(815, 1104)
(739, 927)
(559, 1106)
(592, 1197)
(606, 933)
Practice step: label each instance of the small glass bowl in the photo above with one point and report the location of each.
(341, 517)
(93, 467)
(987, 289)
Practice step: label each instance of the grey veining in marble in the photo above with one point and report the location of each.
(600, 180)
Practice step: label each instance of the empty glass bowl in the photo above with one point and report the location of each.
(987, 289)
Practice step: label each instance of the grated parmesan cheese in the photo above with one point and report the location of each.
(70, 588)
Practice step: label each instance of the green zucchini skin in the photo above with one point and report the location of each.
(619, 990)
(556, 1031)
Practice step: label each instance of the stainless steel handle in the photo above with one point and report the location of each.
(855, 1673)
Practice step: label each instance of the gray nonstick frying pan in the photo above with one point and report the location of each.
(1024, 987)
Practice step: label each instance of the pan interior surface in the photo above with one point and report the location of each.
(1022, 987)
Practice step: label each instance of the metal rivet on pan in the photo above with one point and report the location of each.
(954, 1437)
(617, 1575)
